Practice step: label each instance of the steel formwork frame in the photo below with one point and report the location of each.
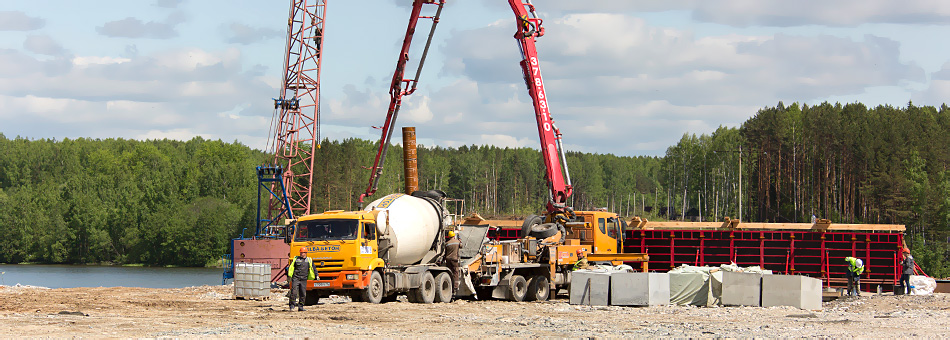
(818, 254)
(297, 109)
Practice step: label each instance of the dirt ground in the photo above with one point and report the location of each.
(211, 311)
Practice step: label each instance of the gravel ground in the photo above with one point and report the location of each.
(211, 311)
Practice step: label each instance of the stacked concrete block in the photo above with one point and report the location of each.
(741, 289)
(639, 289)
(791, 290)
(590, 288)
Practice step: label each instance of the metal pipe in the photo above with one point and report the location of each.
(409, 159)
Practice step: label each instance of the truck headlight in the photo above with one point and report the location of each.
(352, 276)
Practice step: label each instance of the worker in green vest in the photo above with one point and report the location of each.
(855, 268)
(299, 271)
(581, 260)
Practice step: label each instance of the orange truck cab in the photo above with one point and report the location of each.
(343, 246)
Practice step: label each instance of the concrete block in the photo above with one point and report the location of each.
(590, 288)
(791, 290)
(639, 289)
(741, 289)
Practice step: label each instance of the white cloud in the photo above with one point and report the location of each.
(617, 82)
(43, 44)
(778, 13)
(19, 21)
(168, 94)
(243, 34)
(938, 91)
(505, 141)
(417, 109)
(97, 60)
(179, 134)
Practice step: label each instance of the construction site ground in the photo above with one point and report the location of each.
(213, 311)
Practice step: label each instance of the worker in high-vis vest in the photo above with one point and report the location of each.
(855, 268)
(298, 278)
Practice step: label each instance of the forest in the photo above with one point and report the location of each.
(167, 202)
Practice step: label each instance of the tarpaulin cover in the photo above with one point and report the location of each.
(922, 285)
(702, 286)
(689, 289)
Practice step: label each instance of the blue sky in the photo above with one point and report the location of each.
(623, 77)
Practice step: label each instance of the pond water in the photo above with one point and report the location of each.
(71, 276)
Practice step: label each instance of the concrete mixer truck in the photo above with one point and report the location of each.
(393, 246)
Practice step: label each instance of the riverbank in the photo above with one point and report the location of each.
(212, 311)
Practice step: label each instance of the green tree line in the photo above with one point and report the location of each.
(123, 201)
(166, 202)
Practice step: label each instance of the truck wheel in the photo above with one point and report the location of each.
(538, 289)
(443, 288)
(312, 299)
(543, 231)
(529, 222)
(426, 291)
(517, 288)
(374, 292)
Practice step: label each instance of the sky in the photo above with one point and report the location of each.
(622, 77)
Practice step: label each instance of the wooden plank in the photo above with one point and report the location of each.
(772, 226)
(638, 257)
(638, 223)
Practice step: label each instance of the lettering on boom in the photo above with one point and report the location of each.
(542, 101)
(388, 201)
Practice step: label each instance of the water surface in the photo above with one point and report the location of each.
(71, 276)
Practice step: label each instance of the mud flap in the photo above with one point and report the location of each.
(466, 288)
(501, 289)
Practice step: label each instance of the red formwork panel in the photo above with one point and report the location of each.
(815, 254)
(811, 253)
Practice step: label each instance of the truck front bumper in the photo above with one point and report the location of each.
(342, 280)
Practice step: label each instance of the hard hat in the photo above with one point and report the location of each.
(860, 263)
(580, 251)
(906, 250)
(450, 234)
(303, 250)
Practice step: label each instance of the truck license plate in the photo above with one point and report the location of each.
(321, 284)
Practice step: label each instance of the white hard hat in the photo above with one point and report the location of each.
(860, 263)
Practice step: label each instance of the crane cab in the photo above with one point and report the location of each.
(601, 231)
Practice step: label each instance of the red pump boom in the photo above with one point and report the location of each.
(559, 183)
(397, 89)
(529, 28)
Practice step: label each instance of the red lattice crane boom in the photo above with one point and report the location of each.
(297, 108)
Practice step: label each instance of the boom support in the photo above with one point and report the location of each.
(400, 87)
(559, 183)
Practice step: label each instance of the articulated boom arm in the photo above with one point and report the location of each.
(529, 28)
(401, 87)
